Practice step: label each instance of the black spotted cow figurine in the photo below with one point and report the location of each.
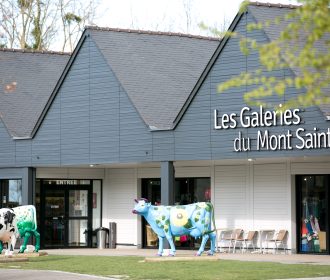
(18, 222)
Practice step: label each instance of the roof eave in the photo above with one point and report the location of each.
(154, 128)
(22, 137)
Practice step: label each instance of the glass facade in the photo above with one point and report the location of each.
(313, 214)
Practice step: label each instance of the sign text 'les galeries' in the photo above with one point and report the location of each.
(264, 139)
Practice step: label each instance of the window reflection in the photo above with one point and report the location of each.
(11, 192)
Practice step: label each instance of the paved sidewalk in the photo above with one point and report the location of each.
(18, 274)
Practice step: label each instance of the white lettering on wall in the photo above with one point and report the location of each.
(264, 139)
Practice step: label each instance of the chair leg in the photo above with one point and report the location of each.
(243, 245)
(276, 248)
(230, 245)
(234, 246)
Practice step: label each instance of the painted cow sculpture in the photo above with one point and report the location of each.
(18, 222)
(7, 228)
(196, 220)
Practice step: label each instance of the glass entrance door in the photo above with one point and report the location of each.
(55, 219)
(67, 216)
(78, 218)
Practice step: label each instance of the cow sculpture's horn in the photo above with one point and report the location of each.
(136, 201)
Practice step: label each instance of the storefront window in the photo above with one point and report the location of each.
(313, 203)
(191, 190)
(11, 193)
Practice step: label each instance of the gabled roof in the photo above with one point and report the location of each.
(262, 12)
(158, 70)
(27, 81)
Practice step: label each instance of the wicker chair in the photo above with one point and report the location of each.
(280, 238)
(246, 241)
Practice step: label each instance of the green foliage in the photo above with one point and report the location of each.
(303, 46)
(71, 17)
(25, 4)
(213, 30)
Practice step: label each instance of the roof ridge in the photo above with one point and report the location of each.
(149, 32)
(273, 5)
(34, 51)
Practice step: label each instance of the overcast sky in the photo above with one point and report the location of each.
(168, 15)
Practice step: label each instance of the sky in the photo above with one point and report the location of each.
(169, 15)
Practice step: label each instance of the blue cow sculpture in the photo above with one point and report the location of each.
(194, 219)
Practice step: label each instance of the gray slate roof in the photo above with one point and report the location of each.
(157, 70)
(263, 12)
(27, 81)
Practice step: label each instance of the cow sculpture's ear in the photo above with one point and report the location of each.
(136, 201)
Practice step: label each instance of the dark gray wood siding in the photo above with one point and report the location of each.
(91, 120)
(7, 147)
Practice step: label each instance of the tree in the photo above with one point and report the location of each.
(37, 24)
(303, 45)
(74, 16)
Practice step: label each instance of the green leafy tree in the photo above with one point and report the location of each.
(303, 45)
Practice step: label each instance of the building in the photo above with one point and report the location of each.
(136, 114)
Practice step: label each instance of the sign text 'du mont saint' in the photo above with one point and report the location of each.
(265, 139)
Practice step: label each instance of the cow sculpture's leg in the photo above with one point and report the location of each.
(37, 236)
(160, 246)
(212, 235)
(170, 240)
(202, 247)
(11, 245)
(26, 239)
